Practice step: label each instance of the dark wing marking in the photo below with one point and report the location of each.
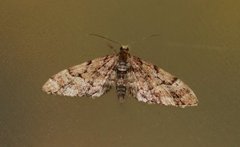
(151, 84)
(92, 78)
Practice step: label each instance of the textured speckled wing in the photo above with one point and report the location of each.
(151, 84)
(92, 78)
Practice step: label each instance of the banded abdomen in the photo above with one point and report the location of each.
(122, 69)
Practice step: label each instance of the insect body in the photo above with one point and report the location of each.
(122, 68)
(129, 74)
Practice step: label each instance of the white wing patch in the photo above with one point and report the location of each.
(151, 84)
(92, 78)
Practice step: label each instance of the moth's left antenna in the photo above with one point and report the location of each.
(100, 36)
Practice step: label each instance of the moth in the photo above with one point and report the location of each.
(128, 74)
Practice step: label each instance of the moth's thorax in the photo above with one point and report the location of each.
(124, 53)
(123, 65)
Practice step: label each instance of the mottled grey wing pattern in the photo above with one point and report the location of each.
(151, 84)
(92, 78)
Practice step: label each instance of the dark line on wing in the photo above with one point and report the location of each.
(76, 75)
(169, 83)
(106, 57)
(174, 95)
(174, 80)
(89, 62)
(156, 68)
(104, 65)
(138, 60)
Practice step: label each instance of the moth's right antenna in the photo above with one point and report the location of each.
(142, 39)
(100, 36)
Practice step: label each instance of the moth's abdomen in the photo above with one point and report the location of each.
(122, 69)
(121, 90)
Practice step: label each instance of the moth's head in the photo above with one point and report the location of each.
(124, 48)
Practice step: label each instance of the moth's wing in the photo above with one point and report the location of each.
(151, 84)
(92, 78)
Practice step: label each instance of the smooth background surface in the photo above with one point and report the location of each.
(198, 42)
